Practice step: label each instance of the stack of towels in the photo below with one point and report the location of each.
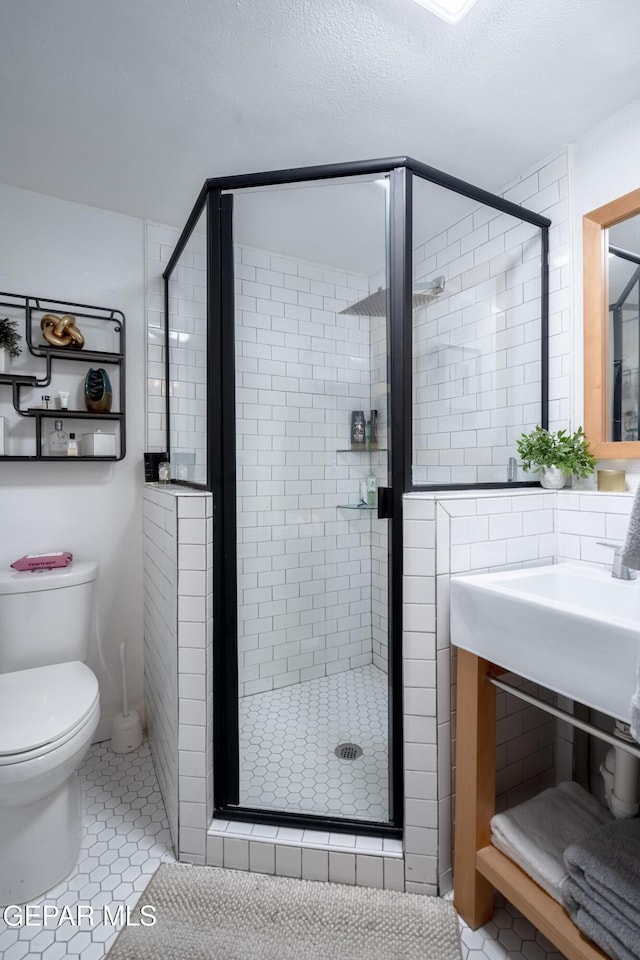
(602, 891)
(574, 849)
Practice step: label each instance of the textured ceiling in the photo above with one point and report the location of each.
(130, 104)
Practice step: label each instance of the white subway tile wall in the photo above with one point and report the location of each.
(454, 533)
(307, 567)
(178, 627)
(586, 517)
(160, 576)
(476, 351)
(311, 575)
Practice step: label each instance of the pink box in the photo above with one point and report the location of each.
(43, 561)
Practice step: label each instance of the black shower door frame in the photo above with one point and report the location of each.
(223, 485)
(216, 197)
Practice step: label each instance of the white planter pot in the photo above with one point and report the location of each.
(552, 478)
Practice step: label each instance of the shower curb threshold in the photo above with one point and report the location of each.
(306, 839)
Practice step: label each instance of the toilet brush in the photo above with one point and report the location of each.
(126, 732)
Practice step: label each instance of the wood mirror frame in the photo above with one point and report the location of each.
(596, 327)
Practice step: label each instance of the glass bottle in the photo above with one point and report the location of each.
(58, 440)
(372, 488)
(72, 446)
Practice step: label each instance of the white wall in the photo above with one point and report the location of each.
(53, 248)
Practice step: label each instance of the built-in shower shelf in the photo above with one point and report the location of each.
(355, 506)
(363, 448)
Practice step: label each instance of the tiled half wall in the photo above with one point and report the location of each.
(178, 628)
(444, 534)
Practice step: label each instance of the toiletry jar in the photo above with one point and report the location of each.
(98, 444)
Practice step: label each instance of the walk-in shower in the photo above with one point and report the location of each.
(336, 337)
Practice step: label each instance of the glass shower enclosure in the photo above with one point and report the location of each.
(300, 308)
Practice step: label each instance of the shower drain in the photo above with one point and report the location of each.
(348, 751)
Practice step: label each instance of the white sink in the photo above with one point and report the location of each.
(572, 628)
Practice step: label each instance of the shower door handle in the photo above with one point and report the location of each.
(385, 503)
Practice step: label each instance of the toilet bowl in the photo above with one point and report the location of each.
(49, 712)
(48, 716)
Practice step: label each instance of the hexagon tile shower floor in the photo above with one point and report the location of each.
(288, 742)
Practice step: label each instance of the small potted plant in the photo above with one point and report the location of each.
(9, 342)
(557, 454)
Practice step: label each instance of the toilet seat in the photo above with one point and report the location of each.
(43, 707)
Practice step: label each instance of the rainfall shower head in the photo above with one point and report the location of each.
(375, 305)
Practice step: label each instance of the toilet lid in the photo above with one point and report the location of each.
(41, 705)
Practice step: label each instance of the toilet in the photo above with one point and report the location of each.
(49, 711)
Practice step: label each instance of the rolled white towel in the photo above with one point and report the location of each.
(536, 833)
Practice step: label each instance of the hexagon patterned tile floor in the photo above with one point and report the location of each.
(288, 739)
(507, 937)
(126, 837)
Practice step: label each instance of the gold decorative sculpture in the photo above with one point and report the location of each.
(61, 331)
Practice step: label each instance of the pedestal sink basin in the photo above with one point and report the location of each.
(572, 628)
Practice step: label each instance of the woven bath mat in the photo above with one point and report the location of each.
(206, 913)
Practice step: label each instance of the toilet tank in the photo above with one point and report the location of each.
(46, 616)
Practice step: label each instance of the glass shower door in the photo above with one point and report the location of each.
(311, 395)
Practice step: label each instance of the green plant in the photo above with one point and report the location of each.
(9, 337)
(570, 453)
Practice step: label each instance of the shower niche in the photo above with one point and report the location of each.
(294, 299)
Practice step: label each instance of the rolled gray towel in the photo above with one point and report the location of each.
(630, 552)
(610, 856)
(604, 938)
(600, 919)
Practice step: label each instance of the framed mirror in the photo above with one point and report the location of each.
(611, 286)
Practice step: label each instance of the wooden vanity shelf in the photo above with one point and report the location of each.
(479, 868)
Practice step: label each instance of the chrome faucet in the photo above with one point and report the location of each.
(619, 570)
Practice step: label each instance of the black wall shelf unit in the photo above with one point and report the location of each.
(44, 369)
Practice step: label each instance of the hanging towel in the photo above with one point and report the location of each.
(630, 552)
(635, 710)
(536, 833)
